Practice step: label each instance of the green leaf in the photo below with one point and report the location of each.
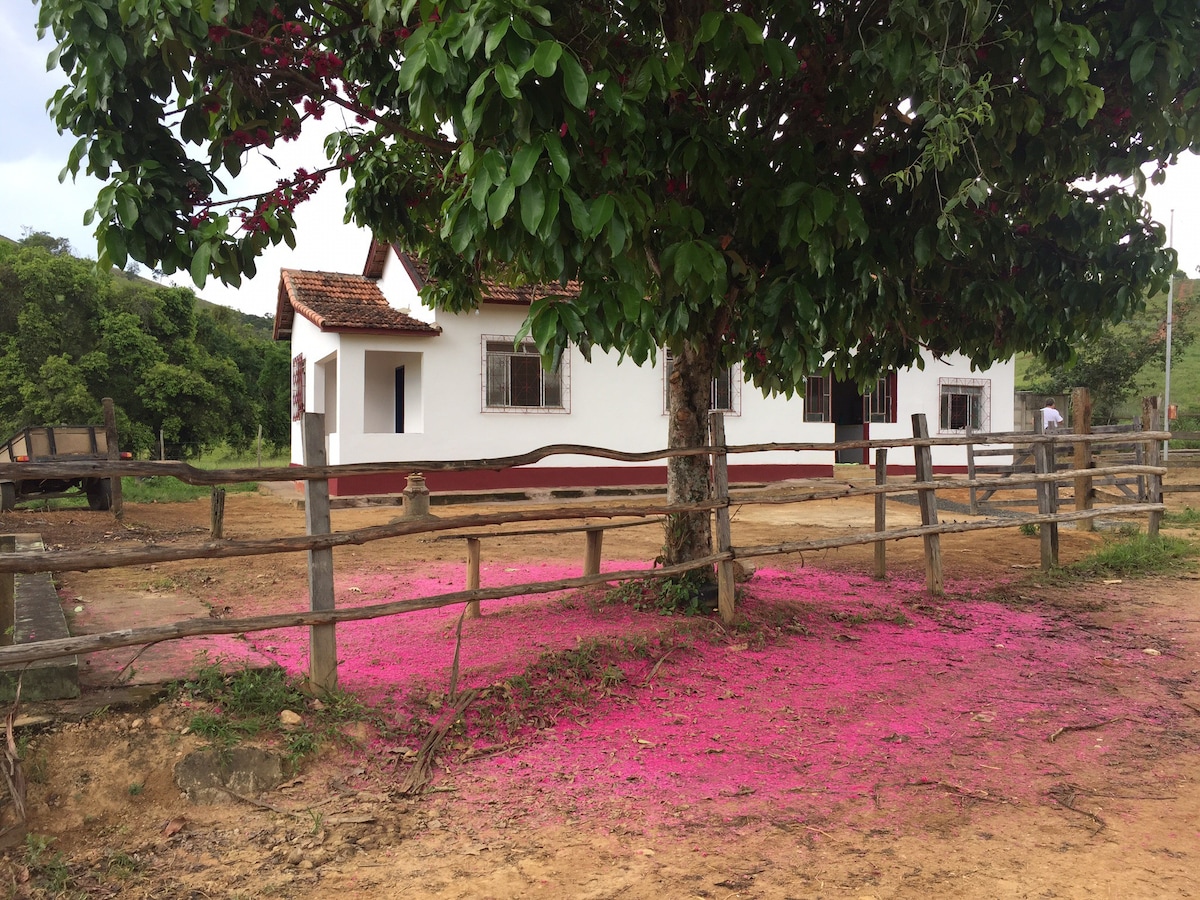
(579, 212)
(116, 49)
(523, 162)
(545, 58)
(1142, 61)
(508, 80)
(558, 156)
(533, 205)
(791, 194)
(127, 208)
(574, 81)
(601, 212)
(500, 200)
(495, 36)
(822, 205)
(710, 24)
(200, 264)
(114, 247)
(923, 246)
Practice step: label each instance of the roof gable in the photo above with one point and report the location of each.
(493, 291)
(340, 303)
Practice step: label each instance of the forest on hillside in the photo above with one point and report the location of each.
(197, 374)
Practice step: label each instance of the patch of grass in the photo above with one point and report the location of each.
(164, 489)
(247, 703)
(48, 869)
(690, 594)
(136, 788)
(1188, 516)
(1029, 529)
(1136, 555)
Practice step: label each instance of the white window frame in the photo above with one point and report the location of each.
(490, 357)
(980, 388)
(733, 373)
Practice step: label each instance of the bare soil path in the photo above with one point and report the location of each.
(849, 738)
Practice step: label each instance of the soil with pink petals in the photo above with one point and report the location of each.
(845, 737)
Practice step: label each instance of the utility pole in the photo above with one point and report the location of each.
(1170, 326)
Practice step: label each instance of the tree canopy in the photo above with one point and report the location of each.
(70, 335)
(782, 184)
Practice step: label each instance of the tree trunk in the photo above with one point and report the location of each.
(688, 535)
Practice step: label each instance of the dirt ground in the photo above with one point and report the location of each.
(1021, 737)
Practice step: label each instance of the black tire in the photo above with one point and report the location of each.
(8, 496)
(99, 493)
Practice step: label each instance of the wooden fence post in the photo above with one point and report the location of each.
(928, 500)
(1150, 422)
(1081, 423)
(594, 538)
(973, 493)
(322, 650)
(720, 469)
(473, 553)
(114, 453)
(1043, 462)
(216, 525)
(881, 512)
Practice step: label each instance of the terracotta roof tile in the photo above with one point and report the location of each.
(493, 292)
(336, 302)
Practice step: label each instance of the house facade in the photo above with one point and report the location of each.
(399, 382)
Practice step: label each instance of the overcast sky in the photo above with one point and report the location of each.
(32, 153)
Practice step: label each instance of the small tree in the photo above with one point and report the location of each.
(784, 185)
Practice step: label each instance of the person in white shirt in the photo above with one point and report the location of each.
(1051, 417)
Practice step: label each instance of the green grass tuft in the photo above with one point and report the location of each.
(1136, 555)
(247, 703)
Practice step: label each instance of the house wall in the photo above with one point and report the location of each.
(607, 405)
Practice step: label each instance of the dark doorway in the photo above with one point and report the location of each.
(846, 410)
(400, 400)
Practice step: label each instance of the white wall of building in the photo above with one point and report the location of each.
(351, 378)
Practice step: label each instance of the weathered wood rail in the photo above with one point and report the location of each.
(320, 540)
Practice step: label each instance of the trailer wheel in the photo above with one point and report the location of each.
(99, 493)
(8, 496)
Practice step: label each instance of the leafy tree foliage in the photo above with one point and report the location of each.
(782, 184)
(1110, 363)
(72, 335)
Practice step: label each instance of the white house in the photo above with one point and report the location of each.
(398, 381)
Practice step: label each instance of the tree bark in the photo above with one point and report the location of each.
(689, 391)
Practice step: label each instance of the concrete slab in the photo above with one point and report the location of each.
(38, 617)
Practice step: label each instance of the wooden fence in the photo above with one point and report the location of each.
(319, 541)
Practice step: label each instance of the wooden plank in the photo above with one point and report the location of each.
(473, 555)
(881, 513)
(928, 502)
(114, 454)
(594, 538)
(1081, 423)
(1045, 503)
(1150, 422)
(322, 651)
(972, 474)
(216, 517)
(608, 526)
(726, 588)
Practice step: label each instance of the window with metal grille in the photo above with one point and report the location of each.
(817, 406)
(725, 393)
(880, 404)
(965, 405)
(514, 377)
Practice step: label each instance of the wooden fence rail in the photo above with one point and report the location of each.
(320, 540)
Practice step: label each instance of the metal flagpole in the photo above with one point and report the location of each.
(1170, 323)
